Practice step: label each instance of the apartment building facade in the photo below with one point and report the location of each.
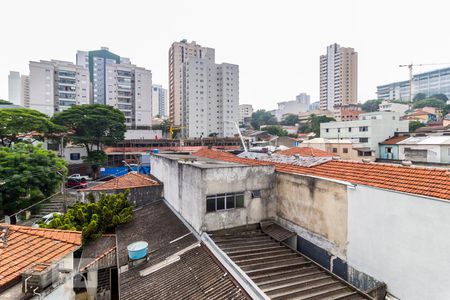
(57, 85)
(14, 87)
(428, 83)
(368, 131)
(245, 111)
(338, 77)
(178, 54)
(159, 101)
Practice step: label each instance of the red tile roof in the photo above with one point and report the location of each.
(175, 148)
(128, 181)
(305, 151)
(27, 246)
(414, 180)
(394, 140)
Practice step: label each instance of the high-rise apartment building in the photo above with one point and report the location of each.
(25, 91)
(338, 77)
(245, 111)
(159, 101)
(115, 81)
(179, 52)
(14, 87)
(204, 96)
(429, 83)
(56, 85)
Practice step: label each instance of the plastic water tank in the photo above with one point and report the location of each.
(137, 250)
(155, 151)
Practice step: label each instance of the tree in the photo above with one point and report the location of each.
(18, 121)
(419, 96)
(429, 102)
(93, 125)
(28, 174)
(442, 97)
(262, 117)
(165, 126)
(95, 218)
(313, 124)
(276, 130)
(414, 125)
(290, 120)
(446, 110)
(371, 105)
(4, 102)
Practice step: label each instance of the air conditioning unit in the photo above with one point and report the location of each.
(38, 277)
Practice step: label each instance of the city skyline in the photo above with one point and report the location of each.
(285, 48)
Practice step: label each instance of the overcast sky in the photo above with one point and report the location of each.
(275, 43)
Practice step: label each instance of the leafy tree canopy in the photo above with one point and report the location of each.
(313, 124)
(262, 117)
(419, 96)
(429, 102)
(4, 102)
(93, 125)
(18, 121)
(371, 105)
(276, 130)
(290, 120)
(413, 125)
(442, 97)
(95, 218)
(28, 174)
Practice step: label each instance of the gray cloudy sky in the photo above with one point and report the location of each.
(276, 43)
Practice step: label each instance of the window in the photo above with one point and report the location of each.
(349, 129)
(334, 150)
(363, 140)
(363, 128)
(224, 201)
(345, 150)
(388, 150)
(327, 130)
(256, 194)
(75, 156)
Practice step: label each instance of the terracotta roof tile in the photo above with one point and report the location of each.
(414, 180)
(175, 148)
(27, 246)
(305, 151)
(127, 181)
(394, 140)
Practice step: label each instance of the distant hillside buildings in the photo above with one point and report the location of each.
(203, 95)
(428, 83)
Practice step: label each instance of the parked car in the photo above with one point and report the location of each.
(78, 176)
(74, 183)
(46, 219)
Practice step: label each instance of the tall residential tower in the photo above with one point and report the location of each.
(338, 77)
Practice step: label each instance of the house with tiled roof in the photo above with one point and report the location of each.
(305, 151)
(143, 188)
(389, 147)
(365, 222)
(32, 253)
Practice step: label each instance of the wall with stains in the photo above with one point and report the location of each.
(400, 239)
(314, 208)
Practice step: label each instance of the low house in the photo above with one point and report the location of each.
(33, 261)
(348, 149)
(426, 149)
(365, 222)
(389, 147)
(143, 188)
(421, 116)
(305, 151)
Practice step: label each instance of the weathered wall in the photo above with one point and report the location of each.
(166, 171)
(400, 239)
(316, 209)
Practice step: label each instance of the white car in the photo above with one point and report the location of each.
(79, 177)
(46, 219)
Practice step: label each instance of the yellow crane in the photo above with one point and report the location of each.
(410, 67)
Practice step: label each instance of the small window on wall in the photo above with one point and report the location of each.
(345, 150)
(224, 201)
(256, 194)
(75, 156)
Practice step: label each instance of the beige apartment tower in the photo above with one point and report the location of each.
(338, 77)
(178, 54)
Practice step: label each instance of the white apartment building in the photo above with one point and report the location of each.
(25, 91)
(159, 101)
(245, 111)
(179, 52)
(56, 85)
(299, 105)
(14, 87)
(369, 130)
(397, 107)
(210, 97)
(129, 89)
(338, 77)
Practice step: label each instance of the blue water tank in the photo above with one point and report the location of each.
(137, 250)
(155, 151)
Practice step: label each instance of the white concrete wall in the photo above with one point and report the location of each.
(42, 87)
(402, 240)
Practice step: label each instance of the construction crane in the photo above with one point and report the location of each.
(410, 67)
